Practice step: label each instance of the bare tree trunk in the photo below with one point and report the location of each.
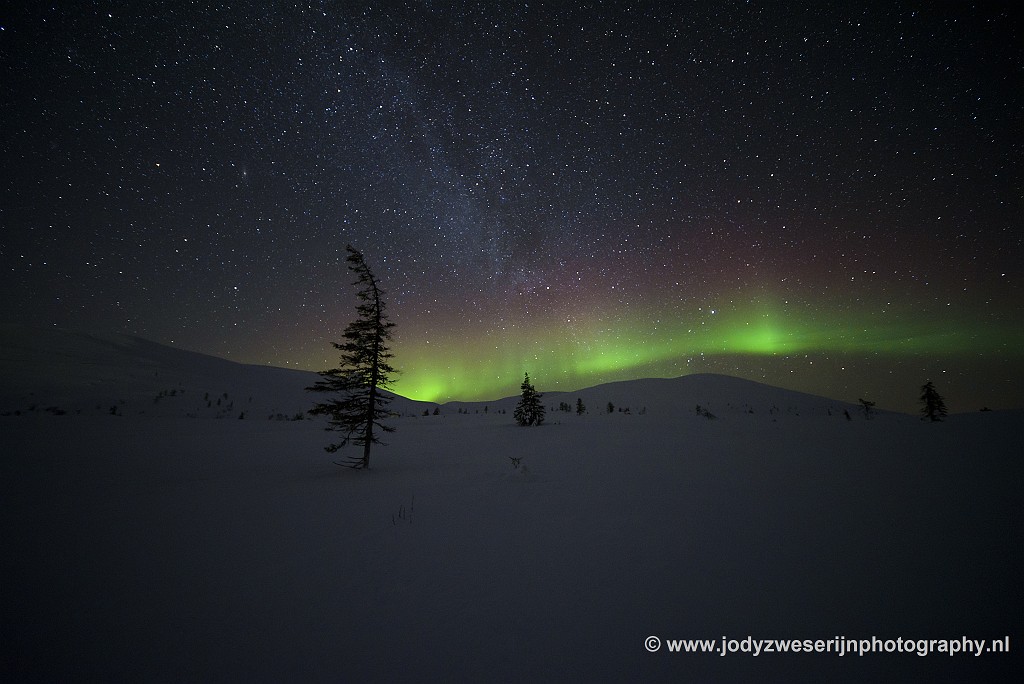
(374, 375)
(369, 423)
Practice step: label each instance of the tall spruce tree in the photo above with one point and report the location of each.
(363, 371)
(934, 408)
(529, 410)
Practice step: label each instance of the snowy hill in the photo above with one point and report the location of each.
(59, 371)
(76, 373)
(180, 549)
(719, 394)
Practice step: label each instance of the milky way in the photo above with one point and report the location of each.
(826, 198)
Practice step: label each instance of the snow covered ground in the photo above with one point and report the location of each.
(155, 546)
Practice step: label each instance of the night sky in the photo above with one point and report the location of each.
(825, 198)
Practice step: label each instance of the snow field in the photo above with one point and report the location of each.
(187, 549)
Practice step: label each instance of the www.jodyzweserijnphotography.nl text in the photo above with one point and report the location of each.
(838, 645)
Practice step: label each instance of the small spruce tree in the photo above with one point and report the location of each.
(934, 408)
(529, 410)
(580, 408)
(363, 372)
(868, 405)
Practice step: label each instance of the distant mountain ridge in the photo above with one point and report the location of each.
(78, 373)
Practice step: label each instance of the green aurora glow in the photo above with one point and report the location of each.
(570, 356)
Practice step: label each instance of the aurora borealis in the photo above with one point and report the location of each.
(825, 197)
(757, 340)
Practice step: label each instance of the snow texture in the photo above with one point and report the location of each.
(152, 545)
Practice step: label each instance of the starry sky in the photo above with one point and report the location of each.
(821, 196)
